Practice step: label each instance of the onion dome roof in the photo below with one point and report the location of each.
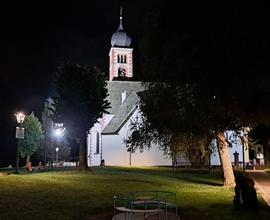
(120, 38)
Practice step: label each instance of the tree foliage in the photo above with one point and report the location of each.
(80, 101)
(216, 55)
(51, 141)
(166, 121)
(32, 137)
(213, 70)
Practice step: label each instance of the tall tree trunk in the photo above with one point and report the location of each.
(83, 154)
(219, 152)
(225, 160)
(27, 159)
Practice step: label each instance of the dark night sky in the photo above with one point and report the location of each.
(36, 36)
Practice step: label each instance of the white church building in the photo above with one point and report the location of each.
(105, 140)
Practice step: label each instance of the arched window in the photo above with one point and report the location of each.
(97, 143)
(125, 59)
(118, 58)
(121, 72)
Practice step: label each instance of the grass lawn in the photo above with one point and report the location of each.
(89, 195)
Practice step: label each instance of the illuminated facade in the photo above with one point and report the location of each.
(106, 139)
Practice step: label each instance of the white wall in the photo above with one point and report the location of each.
(94, 158)
(115, 152)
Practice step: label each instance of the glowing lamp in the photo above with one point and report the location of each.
(20, 117)
(59, 130)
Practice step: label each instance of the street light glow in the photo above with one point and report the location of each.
(20, 116)
(59, 130)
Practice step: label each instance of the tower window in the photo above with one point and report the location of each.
(97, 143)
(121, 72)
(121, 58)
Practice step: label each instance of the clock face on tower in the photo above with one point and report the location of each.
(121, 72)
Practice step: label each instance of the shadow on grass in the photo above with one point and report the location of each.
(199, 176)
(24, 171)
(219, 209)
(143, 181)
(200, 181)
(190, 213)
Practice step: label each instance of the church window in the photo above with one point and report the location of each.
(97, 143)
(121, 72)
(121, 58)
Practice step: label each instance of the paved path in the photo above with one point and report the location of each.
(262, 183)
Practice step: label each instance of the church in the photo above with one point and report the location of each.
(105, 140)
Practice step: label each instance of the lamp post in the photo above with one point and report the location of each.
(59, 133)
(19, 135)
(57, 149)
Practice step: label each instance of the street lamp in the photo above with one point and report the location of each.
(57, 149)
(59, 133)
(19, 135)
(59, 130)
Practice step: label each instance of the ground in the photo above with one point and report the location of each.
(89, 195)
(262, 183)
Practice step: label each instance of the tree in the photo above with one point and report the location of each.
(80, 101)
(166, 121)
(47, 124)
(32, 137)
(50, 140)
(215, 57)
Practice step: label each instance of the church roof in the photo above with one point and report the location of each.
(124, 112)
(121, 111)
(115, 89)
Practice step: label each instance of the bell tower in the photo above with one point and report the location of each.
(121, 57)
